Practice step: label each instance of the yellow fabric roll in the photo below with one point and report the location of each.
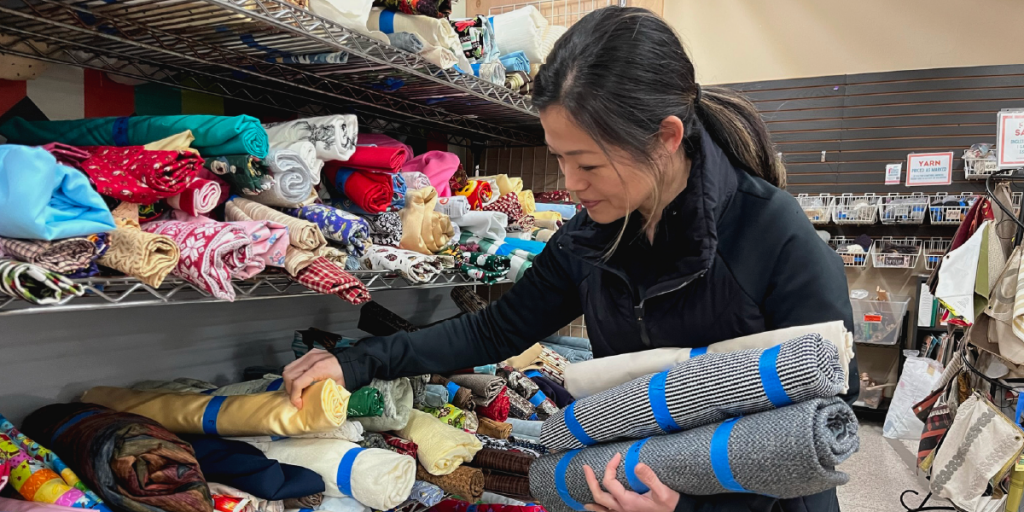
(547, 216)
(177, 142)
(324, 407)
(506, 184)
(295, 260)
(146, 256)
(527, 201)
(424, 230)
(441, 448)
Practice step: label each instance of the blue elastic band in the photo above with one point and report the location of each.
(210, 415)
(74, 419)
(632, 459)
(538, 398)
(533, 373)
(560, 485)
(767, 365)
(275, 385)
(453, 388)
(476, 69)
(1020, 409)
(387, 22)
(659, 404)
(306, 510)
(698, 351)
(119, 131)
(720, 456)
(344, 479)
(533, 417)
(574, 426)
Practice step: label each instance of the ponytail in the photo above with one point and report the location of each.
(734, 124)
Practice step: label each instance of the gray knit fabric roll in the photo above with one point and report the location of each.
(704, 390)
(786, 453)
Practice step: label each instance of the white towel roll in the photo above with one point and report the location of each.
(521, 30)
(351, 14)
(307, 151)
(485, 224)
(293, 180)
(333, 136)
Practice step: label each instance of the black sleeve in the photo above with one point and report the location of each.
(543, 301)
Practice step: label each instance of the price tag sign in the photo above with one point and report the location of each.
(929, 169)
(893, 174)
(1010, 139)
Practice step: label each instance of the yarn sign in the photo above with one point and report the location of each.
(929, 169)
(1010, 139)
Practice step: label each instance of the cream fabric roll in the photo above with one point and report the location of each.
(441, 448)
(484, 224)
(591, 377)
(424, 230)
(302, 234)
(307, 151)
(437, 34)
(351, 14)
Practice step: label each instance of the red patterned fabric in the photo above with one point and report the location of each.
(67, 155)
(498, 410)
(508, 204)
(211, 253)
(325, 277)
(403, 446)
(139, 175)
(557, 196)
(453, 505)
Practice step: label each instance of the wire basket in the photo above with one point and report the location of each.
(903, 208)
(860, 209)
(978, 168)
(817, 208)
(948, 213)
(892, 252)
(878, 322)
(855, 258)
(934, 250)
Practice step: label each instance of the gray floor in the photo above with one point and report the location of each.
(878, 475)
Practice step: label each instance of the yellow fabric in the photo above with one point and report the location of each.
(296, 260)
(146, 256)
(324, 406)
(548, 224)
(547, 216)
(506, 184)
(527, 201)
(424, 230)
(527, 358)
(177, 142)
(441, 448)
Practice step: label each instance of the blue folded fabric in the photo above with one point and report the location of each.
(435, 395)
(43, 200)
(568, 341)
(516, 61)
(529, 246)
(568, 211)
(575, 350)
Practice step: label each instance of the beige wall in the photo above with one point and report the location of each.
(750, 40)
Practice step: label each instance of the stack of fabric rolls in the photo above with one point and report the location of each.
(525, 39)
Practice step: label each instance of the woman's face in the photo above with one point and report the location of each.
(606, 193)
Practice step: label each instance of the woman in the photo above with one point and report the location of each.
(686, 239)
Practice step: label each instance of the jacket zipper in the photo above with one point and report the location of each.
(639, 310)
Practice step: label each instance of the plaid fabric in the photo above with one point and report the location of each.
(64, 256)
(402, 446)
(324, 277)
(507, 204)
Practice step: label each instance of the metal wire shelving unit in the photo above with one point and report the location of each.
(232, 48)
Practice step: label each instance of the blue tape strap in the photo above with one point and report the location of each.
(533, 417)
(659, 404)
(767, 366)
(275, 385)
(491, 20)
(560, 485)
(344, 479)
(538, 398)
(210, 415)
(698, 351)
(632, 459)
(387, 22)
(74, 419)
(575, 428)
(119, 131)
(453, 388)
(720, 456)
(533, 373)
(1020, 409)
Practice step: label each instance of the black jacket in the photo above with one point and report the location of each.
(732, 256)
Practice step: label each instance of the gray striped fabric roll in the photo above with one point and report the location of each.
(785, 453)
(700, 391)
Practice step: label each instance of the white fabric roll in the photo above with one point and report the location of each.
(441, 44)
(485, 224)
(522, 30)
(334, 137)
(293, 180)
(351, 14)
(380, 479)
(455, 206)
(307, 151)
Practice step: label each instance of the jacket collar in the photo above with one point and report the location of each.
(687, 236)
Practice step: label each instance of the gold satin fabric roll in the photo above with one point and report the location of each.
(324, 407)
(527, 201)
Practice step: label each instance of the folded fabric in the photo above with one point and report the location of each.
(489, 262)
(291, 176)
(65, 256)
(544, 360)
(398, 192)
(70, 156)
(498, 409)
(575, 350)
(366, 402)
(433, 31)
(454, 207)
(554, 392)
(198, 197)
(336, 225)
(591, 377)
(339, 257)
(486, 387)
(426, 494)
(525, 427)
(438, 166)
(229, 499)
(477, 192)
(442, 448)
(403, 446)
(484, 224)
(324, 406)
(43, 200)
(379, 159)
(416, 180)
(326, 278)
(515, 61)
(248, 469)
(36, 482)
(749, 381)
(374, 440)
(104, 448)
(524, 225)
(555, 196)
(385, 228)
(435, 395)
(301, 234)
(567, 211)
(521, 408)
(397, 396)
(379, 139)
(449, 415)
(424, 230)
(522, 30)
(458, 396)
(527, 399)
(544, 223)
(12, 505)
(372, 192)
(495, 429)
(243, 173)
(413, 266)
(211, 253)
(432, 8)
(214, 135)
(333, 136)
(377, 478)
(270, 241)
(313, 501)
(453, 505)
(244, 263)
(139, 175)
(307, 151)
(34, 284)
(464, 482)
(808, 441)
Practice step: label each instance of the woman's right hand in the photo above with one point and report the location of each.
(315, 366)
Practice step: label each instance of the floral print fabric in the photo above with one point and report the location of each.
(337, 225)
(413, 266)
(385, 229)
(243, 173)
(136, 174)
(211, 253)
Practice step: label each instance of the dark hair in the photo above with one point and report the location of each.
(620, 71)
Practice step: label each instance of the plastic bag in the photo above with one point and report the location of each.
(920, 375)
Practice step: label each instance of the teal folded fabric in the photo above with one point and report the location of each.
(43, 200)
(215, 135)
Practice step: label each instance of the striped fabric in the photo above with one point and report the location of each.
(701, 391)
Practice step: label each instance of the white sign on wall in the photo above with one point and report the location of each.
(929, 169)
(1010, 139)
(892, 174)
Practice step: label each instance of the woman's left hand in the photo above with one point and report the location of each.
(615, 498)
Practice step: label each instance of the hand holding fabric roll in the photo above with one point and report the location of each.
(324, 407)
(442, 448)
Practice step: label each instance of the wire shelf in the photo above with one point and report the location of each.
(945, 212)
(853, 255)
(883, 257)
(233, 48)
(860, 209)
(978, 168)
(817, 208)
(903, 208)
(934, 250)
(120, 292)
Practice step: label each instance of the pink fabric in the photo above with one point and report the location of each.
(9, 505)
(199, 197)
(5, 473)
(225, 189)
(70, 156)
(377, 139)
(211, 252)
(269, 242)
(439, 166)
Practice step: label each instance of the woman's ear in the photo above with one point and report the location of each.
(671, 134)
